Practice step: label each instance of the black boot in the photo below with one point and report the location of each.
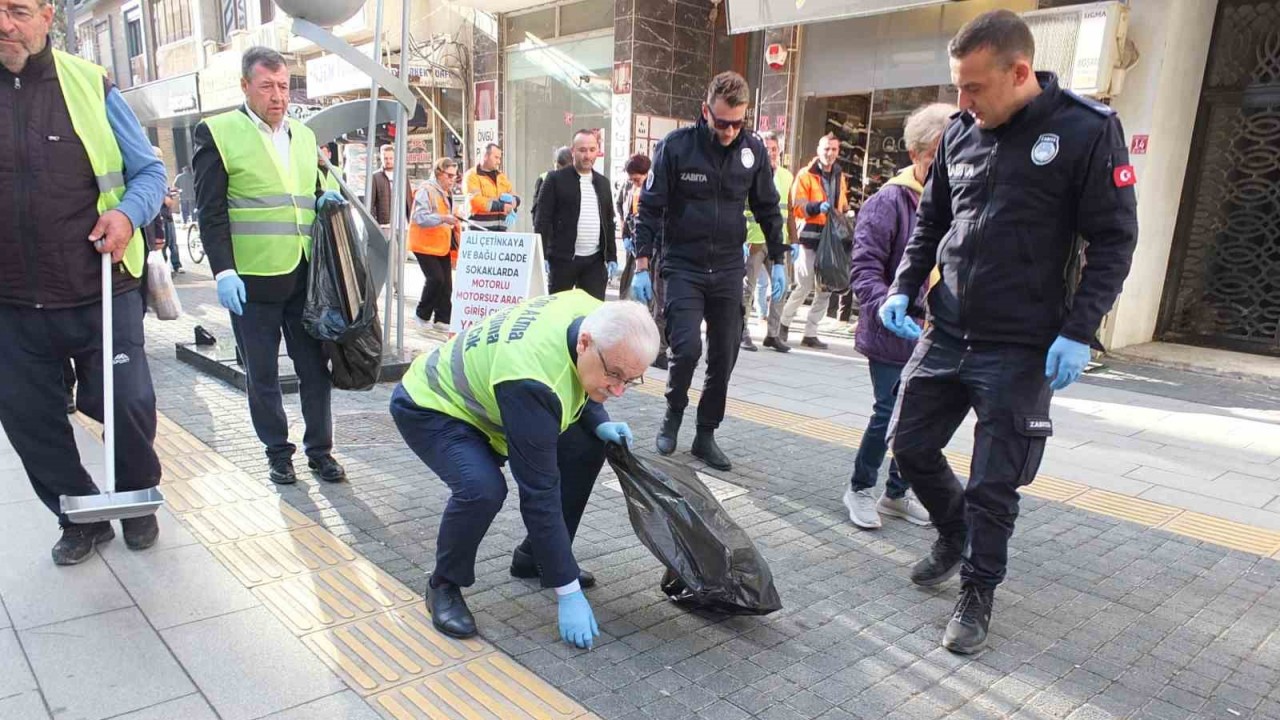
(282, 471)
(524, 566)
(660, 362)
(140, 533)
(777, 344)
(78, 541)
(670, 429)
(449, 611)
(814, 342)
(967, 631)
(942, 563)
(705, 447)
(327, 469)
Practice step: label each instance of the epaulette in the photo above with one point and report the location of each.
(1094, 105)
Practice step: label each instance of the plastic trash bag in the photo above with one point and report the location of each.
(162, 296)
(834, 261)
(711, 562)
(342, 303)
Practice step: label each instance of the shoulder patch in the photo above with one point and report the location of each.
(1094, 105)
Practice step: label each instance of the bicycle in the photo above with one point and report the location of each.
(195, 248)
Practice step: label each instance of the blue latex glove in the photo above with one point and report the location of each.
(613, 269)
(795, 253)
(746, 252)
(577, 623)
(779, 281)
(507, 198)
(231, 293)
(511, 220)
(329, 196)
(1066, 360)
(629, 245)
(642, 287)
(893, 315)
(618, 433)
(826, 207)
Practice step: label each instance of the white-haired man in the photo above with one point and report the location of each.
(528, 384)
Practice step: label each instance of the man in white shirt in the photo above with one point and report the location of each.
(576, 221)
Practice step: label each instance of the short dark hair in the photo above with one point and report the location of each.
(638, 164)
(1001, 30)
(730, 87)
(490, 147)
(264, 56)
(564, 156)
(586, 131)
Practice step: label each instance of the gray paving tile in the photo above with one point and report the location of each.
(37, 592)
(273, 670)
(180, 585)
(15, 675)
(23, 706)
(346, 705)
(1214, 506)
(173, 534)
(103, 665)
(191, 707)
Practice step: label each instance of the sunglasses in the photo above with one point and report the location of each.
(725, 124)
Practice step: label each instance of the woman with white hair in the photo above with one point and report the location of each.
(527, 384)
(885, 224)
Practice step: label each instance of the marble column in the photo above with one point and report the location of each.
(669, 44)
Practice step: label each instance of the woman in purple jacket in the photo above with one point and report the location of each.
(885, 224)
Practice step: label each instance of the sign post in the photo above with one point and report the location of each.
(496, 270)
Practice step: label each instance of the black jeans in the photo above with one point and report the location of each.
(35, 346)
(171, 245)
(692, 297)
(1005, 385)
(587, 272)
(257, 334)
(871, 451)
(437, 291)
(463, 458)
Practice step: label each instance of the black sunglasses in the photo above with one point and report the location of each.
(725, 124)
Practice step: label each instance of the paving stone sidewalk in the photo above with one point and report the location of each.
(1099, 618)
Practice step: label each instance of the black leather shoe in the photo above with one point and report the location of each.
(282, 472)
(966, 632)
(942, 563)
(659, 362)
(705, 447)
(523, 566)
(77, 542)
(670, 430)
(815, 343)
(777, 344)
(449, 611)
(327, 468)
(140, 533)
(747, 344)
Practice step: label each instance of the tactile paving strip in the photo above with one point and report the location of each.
(244, 520)
(1224, 532)
(1125, 507)
(276, 557)
(320, 600)
(212, 490)
(490, 688)
(391, 648)
(191, 465)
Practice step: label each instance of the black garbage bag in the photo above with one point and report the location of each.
(834, 261)
(711, 563)
(342, 303)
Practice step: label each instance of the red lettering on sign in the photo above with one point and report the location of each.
(1124, 176)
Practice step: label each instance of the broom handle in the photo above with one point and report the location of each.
(108, 376)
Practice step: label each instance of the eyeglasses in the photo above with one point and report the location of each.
(725, 124)
(615, 378)
(18, 14)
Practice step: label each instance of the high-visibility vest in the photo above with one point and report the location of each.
(524, 342)
(433, 240)
(271, 207)
(85, 95)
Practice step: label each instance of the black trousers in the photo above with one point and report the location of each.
(258, 333)
(463, 458)
(692, 297)
(587, 272)
(437, 292)
(35, 346)
(1005, 386)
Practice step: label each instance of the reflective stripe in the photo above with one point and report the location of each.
(460, 384)
(272, 201)
(110, 182)
(491, 224)
(284, 229)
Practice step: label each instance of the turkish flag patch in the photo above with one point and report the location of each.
(1124, 176)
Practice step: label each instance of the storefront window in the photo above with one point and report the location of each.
(172, 20)
(887, 154)
(580, 17)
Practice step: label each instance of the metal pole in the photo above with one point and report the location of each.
(373, 109)
(402, 174)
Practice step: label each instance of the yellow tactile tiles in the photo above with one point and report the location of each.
(370, 628)
(1229, 534)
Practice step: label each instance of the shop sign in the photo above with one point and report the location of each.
(331, 75)
(220, 85)
(1138, 146)
(164, 99)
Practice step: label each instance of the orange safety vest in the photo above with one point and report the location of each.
(433, 240)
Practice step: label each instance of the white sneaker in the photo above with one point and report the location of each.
(421, 324)
(862, 509)
(441, 327)
(906, 507)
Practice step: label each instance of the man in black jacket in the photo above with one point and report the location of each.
(575, 219)
(1018, 176)
(693, 202)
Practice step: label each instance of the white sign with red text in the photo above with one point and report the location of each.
(496, 270)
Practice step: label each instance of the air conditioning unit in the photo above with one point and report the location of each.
(1084, 45)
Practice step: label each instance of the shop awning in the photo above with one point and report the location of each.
(496, 7)
(749, 15)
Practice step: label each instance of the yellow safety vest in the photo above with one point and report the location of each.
(271, 207)
(85, 95)
(525, 342)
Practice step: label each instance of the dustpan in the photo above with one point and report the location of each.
(110, 505)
